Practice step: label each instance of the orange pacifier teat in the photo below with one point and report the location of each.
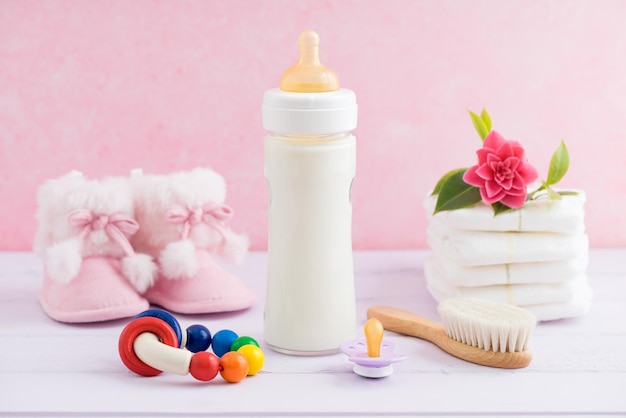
(308, 75)
(373, 331)
(373, 357)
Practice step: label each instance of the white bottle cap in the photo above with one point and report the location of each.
(309, 100)
(309, 113)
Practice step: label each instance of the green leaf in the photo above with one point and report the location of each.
(456, 194)
(558, 164)
(567, 193)
(499, 208)
(486, 119)
(444, 178)
(552, 195)
(479, 125)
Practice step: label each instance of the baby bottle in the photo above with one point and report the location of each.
(310, 163)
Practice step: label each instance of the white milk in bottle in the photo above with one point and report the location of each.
(310, 163)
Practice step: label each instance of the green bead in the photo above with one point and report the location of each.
(241, 341)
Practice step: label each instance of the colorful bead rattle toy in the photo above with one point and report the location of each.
(153, 342)
(372, 357)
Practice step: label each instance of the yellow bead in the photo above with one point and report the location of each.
(255, 358)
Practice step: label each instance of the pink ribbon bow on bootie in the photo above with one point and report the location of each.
(117, 226)
(213, 215)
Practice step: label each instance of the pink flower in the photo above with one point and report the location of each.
(502, 172)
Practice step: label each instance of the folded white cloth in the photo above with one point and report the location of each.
(566, 215)
(481, 248)
(546, 301)
(514, 273)
(516, 294)
(577, 306)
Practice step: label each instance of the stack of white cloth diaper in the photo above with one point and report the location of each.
(534, 257)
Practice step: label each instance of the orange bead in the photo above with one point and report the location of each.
(234, 367)
(204, 366)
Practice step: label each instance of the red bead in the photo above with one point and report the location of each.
(127, 338)
(234, 365)
(204, 366)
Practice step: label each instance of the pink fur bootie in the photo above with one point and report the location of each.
(183, 218)
(91, 271)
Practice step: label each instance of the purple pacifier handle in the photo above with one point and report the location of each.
(356, 351)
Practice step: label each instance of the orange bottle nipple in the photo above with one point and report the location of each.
(308, 75)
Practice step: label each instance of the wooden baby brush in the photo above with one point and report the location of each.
(483, 332)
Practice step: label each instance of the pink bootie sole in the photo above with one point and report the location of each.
(211, 290)
(98, 293)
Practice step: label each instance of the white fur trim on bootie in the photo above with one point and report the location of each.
(63, 260)
(235, 246)
(179, 260)
(140, 271)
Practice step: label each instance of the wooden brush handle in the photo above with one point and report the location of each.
(407, 323)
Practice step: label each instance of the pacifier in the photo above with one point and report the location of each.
(373, 357)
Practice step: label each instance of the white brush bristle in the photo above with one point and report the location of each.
(492, 326)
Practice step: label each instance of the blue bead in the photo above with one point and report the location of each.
(168, 318)
(222, 340)
(198, 338)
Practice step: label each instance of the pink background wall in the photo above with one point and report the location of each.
(106, 86)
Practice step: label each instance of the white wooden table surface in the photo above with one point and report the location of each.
(578, 369)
